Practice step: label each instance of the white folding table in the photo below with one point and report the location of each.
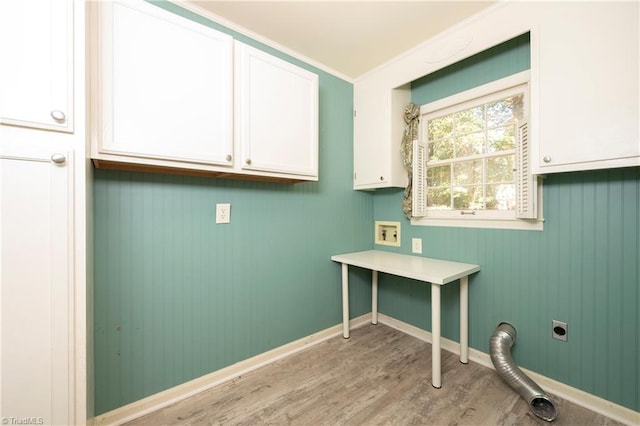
(435, 271)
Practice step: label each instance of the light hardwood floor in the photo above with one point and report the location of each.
(380, 376)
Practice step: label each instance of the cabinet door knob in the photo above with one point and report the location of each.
(57, 115)
(58, 158)
(547, 159)
(248, 161)
(381, 178)
(229, 157)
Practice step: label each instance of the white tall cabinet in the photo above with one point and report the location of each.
(36, 300)
(44, 187)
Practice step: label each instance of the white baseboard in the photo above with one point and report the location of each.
(566, 392)
(165, 398)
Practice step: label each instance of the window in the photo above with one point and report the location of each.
(471, 160)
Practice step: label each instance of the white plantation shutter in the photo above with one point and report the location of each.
(419, 207)
(526, 182)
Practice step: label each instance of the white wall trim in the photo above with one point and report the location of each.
(165, 398)
(566, 392)
(443, 35)
(177, 393)
(185, 4)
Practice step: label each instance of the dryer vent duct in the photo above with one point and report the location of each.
(500, 350)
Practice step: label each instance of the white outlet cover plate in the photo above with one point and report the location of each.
(223, 213)
(416, 245)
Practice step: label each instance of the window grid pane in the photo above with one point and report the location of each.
(474, 148)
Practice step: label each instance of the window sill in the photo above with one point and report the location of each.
(518, 224)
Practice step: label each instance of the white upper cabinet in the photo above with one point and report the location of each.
(378, 127)
(165, 86)
(167, 93)
(36, 76)
(276, 113)
(584, 86)
(588, 86)
(381, 95)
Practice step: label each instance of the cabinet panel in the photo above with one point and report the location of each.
(36, 290)
(165, 86)
(584, 68)
(588, 86)
(378, 129)
(36, 78)
(277, 114)
(370, 166)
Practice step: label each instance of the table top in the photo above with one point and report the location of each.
(434, 271)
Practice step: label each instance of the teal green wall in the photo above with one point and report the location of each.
(177, 296)
(582, 269)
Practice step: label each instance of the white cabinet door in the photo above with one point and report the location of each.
(35, 286)
(370, 162)
(277, 113)
(165, 86)
(36, 75)
(588, 86)
(377, 133)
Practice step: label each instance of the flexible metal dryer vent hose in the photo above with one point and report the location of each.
(500, 350)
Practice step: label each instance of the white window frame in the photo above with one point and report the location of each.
(528, 213)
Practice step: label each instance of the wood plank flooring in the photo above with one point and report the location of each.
(380, 376)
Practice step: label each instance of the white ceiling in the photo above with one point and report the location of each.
(347, 37)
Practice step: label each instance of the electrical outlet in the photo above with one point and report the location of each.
(416, 245)
(560, 331)
(223, 213)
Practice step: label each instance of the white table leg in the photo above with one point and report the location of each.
(464, 320)
(374, 297)
(345, 300)
(436, 379)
